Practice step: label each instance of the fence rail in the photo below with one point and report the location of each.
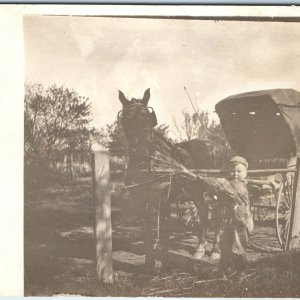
(215, 171)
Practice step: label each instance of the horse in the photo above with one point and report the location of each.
(137, 121)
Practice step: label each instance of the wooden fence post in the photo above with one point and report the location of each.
(102, 225)
(295, 214)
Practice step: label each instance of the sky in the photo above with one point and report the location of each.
(97, 56)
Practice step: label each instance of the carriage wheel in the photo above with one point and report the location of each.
(283, 211)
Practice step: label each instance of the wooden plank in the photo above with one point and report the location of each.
(264, 206)
(272, 171)
(295, 214)
(256, 171)
(102, 225)
(216, 171)
(258, 181)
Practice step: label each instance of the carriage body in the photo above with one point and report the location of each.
(264, 127)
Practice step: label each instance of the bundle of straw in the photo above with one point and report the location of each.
(173, 172)
(167, 164)
(168, 172)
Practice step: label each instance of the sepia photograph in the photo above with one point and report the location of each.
(161, 155)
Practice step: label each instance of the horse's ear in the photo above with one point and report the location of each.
(146, 97)
(123, 99)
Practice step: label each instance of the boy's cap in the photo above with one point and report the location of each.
(239, 160)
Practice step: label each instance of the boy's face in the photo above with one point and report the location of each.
(237, 171)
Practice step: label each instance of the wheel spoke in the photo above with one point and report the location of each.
(287, 225)
(287, 196)
(286, 233)
(282, 234)
(290, 189)
(283, 213)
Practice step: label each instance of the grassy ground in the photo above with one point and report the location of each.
(59, 254)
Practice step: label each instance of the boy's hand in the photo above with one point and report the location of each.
(235, 208)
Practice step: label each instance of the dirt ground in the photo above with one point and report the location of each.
(60, 253)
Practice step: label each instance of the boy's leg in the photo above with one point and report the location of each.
(226, 248)
(238, 262)
(240, 241)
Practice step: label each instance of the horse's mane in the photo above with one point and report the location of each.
(165, 146)
(195, 153)
(162, 141)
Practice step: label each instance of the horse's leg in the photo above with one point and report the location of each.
(202, 227)
(146, 231)
(178, 213)
(218, 220)
(164, 230)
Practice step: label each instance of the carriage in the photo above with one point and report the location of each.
(264, 127)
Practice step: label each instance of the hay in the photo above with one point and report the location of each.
(165, 173)
(168, 173)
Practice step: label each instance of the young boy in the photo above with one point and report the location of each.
(234, 241)
(237, 222)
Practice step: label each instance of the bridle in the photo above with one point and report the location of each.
(153, 119)
(153, 122)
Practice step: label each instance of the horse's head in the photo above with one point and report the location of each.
(137, 120)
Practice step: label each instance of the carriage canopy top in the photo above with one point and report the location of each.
(263, 124)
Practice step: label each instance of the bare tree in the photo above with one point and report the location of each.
(198, 125)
